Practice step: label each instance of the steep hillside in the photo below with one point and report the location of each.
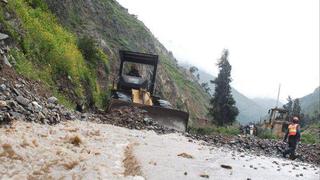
(311, 102)
(41, 49)
(46, 46)
(249, 111)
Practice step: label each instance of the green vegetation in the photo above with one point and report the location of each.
(266, 134)
(181, 81)
(310, 134)
(309, 138)
(50, 54)
(189, 88)
(228, 130)
(222, 105)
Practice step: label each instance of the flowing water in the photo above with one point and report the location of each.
(85, 150)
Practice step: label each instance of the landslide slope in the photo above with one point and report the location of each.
(44, 43)
(114, 28)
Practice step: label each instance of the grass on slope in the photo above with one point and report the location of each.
(50, 53)
(187, 86)
(310, 134)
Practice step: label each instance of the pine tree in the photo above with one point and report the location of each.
(296, 110)
(222, 105)
(289, 107)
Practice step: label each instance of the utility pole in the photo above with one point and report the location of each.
(278, 95)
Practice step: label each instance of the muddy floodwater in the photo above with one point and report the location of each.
(85, 150)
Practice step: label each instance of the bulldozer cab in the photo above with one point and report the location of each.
(137, 71)
(278, 121)
(277, 114)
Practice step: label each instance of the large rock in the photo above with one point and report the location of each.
(3, 104)
(52, 100)
(6, 61)
(3, 36)
(35, 106)
(23, 101)
(3, 87)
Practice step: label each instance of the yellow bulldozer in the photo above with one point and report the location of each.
(135, 86)
(277, 122)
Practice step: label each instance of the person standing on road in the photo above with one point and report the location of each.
(293, 136)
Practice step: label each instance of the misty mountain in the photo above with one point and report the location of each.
(311, 102)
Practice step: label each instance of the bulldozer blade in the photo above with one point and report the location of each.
(169, 118)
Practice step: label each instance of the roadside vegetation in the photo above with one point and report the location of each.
(311, 134)
(266, 134)
(49, 53)
(211, 130)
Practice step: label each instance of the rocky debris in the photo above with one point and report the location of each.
(129, 117)
(306, 152)
(20, 100)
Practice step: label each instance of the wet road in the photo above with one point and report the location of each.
(85, 150)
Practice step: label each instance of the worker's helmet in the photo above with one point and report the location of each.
(295, 119)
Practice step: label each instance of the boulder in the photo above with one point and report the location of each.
(52, 100)
(3, 36)
(6, 61)
(23, 101)
(3, 104)
(3, 87)
(35, 106)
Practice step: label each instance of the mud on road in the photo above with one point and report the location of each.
(87, 150)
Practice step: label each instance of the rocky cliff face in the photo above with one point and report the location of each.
(114, 28)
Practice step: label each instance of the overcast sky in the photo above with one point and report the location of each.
(270, 41)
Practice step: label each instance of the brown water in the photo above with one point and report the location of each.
(85, 150)
(71, 150)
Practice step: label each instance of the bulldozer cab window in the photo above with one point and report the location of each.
(141, 71)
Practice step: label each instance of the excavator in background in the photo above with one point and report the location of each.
(135, 86)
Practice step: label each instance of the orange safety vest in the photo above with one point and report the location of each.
(292, 129)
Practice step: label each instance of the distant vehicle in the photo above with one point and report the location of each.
(277, 122)
(135, 87)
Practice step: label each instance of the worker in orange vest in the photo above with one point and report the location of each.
(293, 136)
